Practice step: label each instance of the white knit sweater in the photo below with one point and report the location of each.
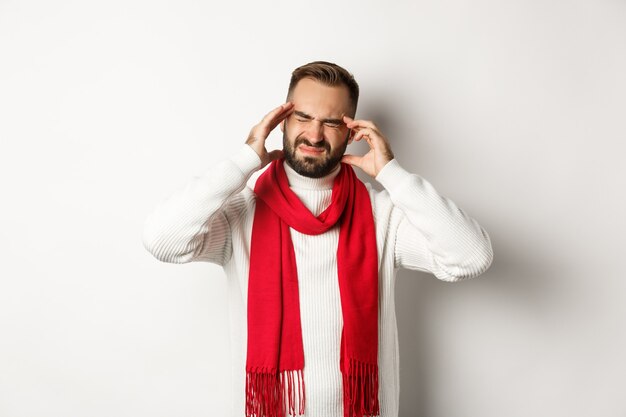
(210, 220)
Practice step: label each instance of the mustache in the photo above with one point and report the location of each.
(302, 141)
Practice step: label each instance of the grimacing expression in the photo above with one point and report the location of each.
(320, 161)
(315, 137)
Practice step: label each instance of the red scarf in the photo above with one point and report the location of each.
(275, 357)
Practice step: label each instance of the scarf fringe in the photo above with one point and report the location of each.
(360, 390)
(266, 390)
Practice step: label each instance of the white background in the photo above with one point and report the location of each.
(513, 109)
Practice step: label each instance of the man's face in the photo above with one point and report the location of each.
(314, 135)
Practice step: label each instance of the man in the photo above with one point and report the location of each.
(311, 253)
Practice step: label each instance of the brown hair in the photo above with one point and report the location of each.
(329, 74)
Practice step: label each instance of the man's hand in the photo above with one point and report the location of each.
(379, 153)
(260, 132)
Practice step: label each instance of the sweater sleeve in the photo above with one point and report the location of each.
(193, 223)
(434, 235)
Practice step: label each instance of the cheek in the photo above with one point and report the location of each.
(338, 138)
(293, 130)
(336, 144)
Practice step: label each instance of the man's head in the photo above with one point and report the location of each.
(314, 135)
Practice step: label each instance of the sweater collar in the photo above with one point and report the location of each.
(300, 181)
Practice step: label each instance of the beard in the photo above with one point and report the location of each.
(312, 166)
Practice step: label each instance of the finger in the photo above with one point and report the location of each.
(283, 108)
(359, 123)
(368, 133)
(282, 116)
(285, 113)
(352, 160)
(277, 115)
(356, 129)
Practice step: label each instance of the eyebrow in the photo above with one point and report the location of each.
(306, 116)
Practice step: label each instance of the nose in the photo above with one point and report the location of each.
(315, 131)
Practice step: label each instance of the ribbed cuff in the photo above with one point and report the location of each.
(392, 175)
(247, 160)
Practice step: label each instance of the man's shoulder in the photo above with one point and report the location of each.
(379, 197)
(375, 190)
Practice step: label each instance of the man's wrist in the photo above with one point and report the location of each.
(246, 159)
(391, 175)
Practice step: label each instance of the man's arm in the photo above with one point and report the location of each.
(434, 234)
(193, 223)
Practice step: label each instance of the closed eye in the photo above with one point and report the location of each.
(332, 125)
(304, 118)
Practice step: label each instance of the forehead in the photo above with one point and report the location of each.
(319, 100)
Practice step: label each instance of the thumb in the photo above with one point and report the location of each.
(352, 160)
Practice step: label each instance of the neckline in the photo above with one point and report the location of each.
(300, 181)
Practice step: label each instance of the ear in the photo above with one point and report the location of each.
(282, 125)
(350, 136)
